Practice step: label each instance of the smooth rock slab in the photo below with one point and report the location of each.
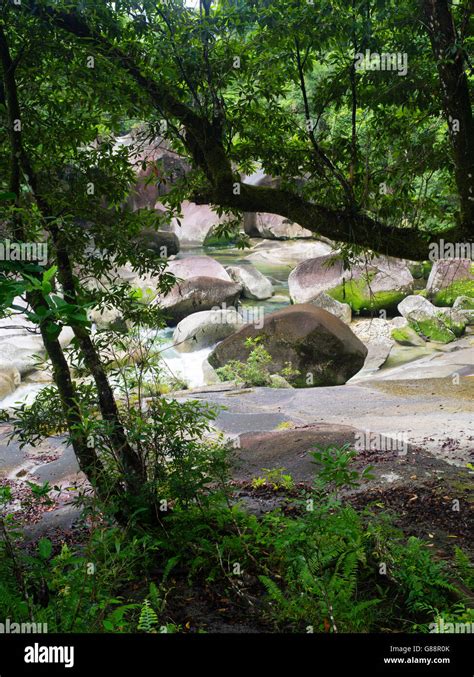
(287, 449)
(414, 399)
(63, 469)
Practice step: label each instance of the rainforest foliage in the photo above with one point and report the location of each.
(375, 159)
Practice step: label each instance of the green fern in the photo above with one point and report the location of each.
(273, 590)
(464, 567)
(148, 618)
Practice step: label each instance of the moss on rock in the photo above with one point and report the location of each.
(434, 329)
(407, 336)
(357, 294)
(446, 297)
(452, 324)
(464, 303)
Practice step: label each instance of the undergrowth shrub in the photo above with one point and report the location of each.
(329, 568)
(255, 370)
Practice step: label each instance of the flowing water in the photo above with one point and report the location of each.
(187, 367)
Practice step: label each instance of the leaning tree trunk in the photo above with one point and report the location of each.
(457, 105)
(84, 449)
(129, 461)
(85, 453)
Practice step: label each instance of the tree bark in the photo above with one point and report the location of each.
(85, 452)
(457, 105)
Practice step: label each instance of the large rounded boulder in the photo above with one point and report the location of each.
(450, 278)
(197, 294)
(21, 344)
(370, 285)
(197, 266)
(255, 284)
(195, 223)
(206, 328)
(318, 345)
(157, 169)
(160, 242)
(435, 324)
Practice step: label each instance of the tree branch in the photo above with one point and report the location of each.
(309, 127)
(203, 140)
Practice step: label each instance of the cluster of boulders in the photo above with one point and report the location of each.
(204, 284)
(321, 334)
(325, 354)
(421, 320)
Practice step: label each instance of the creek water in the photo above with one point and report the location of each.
(187, 367)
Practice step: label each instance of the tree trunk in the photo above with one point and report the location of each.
(128, 459)
(456, 101)
(132, 469)
(85, 452)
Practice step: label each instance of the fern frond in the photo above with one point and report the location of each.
(148, 619)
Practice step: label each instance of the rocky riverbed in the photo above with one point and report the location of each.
(400, 388)
(416, 432)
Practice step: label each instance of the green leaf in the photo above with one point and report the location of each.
(53, 330)
(50, 273)
(7, 196)
(45, 548)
